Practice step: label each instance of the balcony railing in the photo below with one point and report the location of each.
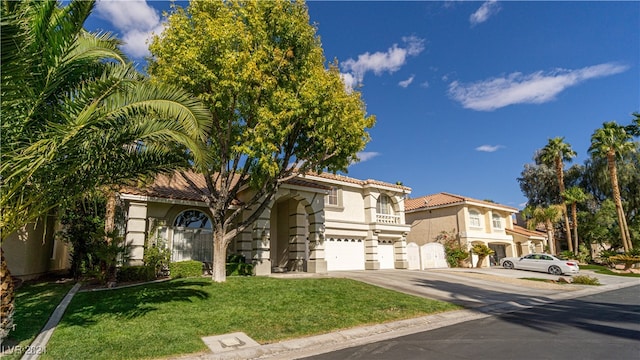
(387, 219)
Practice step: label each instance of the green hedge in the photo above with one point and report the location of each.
(236, 266)
(183, 269)
(136, 273)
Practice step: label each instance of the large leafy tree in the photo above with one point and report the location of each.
(612, 141)
(554, 154)
(76, 115)
(277, 109)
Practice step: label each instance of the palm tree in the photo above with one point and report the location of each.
(555, 153)
(573, 196)
(611, 141)
(76, 115)
(546, 216)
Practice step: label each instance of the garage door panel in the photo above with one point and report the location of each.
(344, 254)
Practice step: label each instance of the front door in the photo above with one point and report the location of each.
(499, 252)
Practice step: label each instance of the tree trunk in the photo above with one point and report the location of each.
(480, 260)
(551, 240)
(7, 297)
(110, 212)
(611, 162)
(219, 273)
(560, 175)
(574, 216)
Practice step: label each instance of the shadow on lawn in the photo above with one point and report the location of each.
(131, 302)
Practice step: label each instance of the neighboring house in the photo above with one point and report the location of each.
(474, 221)
(35, 250)
(527, 241)
(316, 223)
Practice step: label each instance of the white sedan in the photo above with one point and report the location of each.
(541, 262)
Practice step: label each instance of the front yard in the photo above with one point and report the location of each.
(169, 318)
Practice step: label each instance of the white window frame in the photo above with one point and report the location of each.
(334, 193)
(498, 218)
(384, 205)
(475, 215)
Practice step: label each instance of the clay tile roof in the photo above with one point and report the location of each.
(444, 199)
(172, 186)
(517, 229)
(351, 180)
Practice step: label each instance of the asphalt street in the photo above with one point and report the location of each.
(600, 326)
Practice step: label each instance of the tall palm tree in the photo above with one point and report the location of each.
(611, 141)
(554, 154)
(546, 216)
(574, 195)
(76, 115)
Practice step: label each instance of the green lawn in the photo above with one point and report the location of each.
(34, 305)
(605, 271)
(169, 318)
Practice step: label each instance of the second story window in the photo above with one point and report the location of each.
(384, 205)
(474, 218)
(332, 197)
(497, 221)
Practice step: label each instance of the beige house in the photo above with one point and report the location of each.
(316, 223)
(35, 250)
(527, 241)
(475, 221)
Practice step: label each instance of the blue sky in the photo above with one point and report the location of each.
(464, 92)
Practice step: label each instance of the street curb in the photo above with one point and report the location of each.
(319, 344)
(39, 345)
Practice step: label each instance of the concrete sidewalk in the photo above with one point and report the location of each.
(482, 296)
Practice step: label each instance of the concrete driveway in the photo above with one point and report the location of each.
(474, 288)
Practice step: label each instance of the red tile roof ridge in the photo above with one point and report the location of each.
(445, 198)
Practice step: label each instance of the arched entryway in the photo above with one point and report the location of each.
(192, 237)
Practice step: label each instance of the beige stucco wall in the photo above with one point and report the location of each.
(427, 224)
(34, 251)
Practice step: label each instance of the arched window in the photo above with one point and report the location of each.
(192, 219)
(497, 221)
(192, 239)
(384, 205)
(474, 218)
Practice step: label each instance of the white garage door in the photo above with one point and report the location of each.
(344, 254)
(385, 255)
(433, 256)
(413, 256)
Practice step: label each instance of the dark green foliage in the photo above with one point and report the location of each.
(452, 248)
(183, 269)
(157, 258)
(237, 265)
(136, 273)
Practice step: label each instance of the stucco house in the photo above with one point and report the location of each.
(474, 221)
(316, 223)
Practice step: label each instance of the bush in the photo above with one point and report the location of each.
(157, 257)
(182, 269)
(136, 273)
(585, 280)
(237, 266)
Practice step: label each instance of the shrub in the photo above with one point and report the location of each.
(567, 254)
(236, 265)
(182, 269)
(585, 280)
(605, 257)
(456, 255)
(156, 257)
(136, 273)
(482, 251)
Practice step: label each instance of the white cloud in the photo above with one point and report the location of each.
(489, 148)
(367, 155)
(135, 19)
(488, 9)
(379, 62)
(517, 88)
(405, 83)
(425, 84)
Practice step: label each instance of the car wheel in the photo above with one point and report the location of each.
(507, 265)
(555, 270)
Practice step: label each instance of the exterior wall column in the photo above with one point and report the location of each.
(261, 239)
(317, 261)
(371, 261)
(297, 237)
(244, 240)
(136, 232)
(400, 253)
